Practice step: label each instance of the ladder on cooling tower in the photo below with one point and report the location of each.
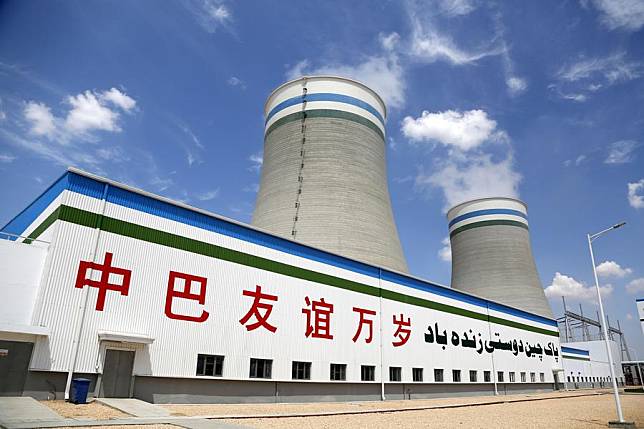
(300, 178)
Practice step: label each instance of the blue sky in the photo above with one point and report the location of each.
(538, 100)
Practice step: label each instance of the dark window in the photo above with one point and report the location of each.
(210, 365)
(523, 377)
(367, 373)
(417, 374)
(568, 379)
(542, 377)
(533, 377)
(301, 370)
(473, 375)
(395, 373)
(499, 376)
(487, 376)
(456, 375)
(438, 375)
(338, 371)
(511, 377)
(260, 368)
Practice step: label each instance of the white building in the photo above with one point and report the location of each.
(161, 301)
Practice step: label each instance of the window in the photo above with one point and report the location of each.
(523, 377)
(210, 365)
(487, 376)
(568, 379)
(395, 373)
(368, 373)
(542, 377)
(417, 374)
(533, 377)
(301, 370)
(473, 375)
(338, 371)
(511, 377)
(260, 368)
(438, 375)
(456, 375)
(499, 376)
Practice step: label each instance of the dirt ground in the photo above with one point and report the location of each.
(91, 410)
(575, 412)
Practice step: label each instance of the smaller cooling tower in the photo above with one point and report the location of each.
(492, 255)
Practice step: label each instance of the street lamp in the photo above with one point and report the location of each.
(592, 237)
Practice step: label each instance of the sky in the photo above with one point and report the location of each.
(542, 101)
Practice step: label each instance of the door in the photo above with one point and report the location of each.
(117, 373)
(14, 364)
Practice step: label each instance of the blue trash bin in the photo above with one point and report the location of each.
(80, 388)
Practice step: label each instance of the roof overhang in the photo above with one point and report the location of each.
(10, 328)
(125, 337)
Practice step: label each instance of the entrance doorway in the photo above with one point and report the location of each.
(117, 373)
(14, 364)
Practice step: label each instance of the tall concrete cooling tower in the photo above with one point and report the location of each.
(492, 255)
(324, 178)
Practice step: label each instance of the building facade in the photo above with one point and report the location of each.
(164, 302)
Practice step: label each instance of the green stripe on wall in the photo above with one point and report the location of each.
(43, 226)
(575, 358)
(488, 223)
(325, 113)
(150, 235)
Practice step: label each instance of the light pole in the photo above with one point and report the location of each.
(592, 237)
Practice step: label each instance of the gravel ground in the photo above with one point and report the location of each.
(580, 412)
(270, 409)
(91, 410)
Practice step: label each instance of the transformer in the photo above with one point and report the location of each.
(324, 178)
(492, 255)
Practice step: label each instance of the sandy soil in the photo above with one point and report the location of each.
(271, 409)
(92, 410)
(581, 412)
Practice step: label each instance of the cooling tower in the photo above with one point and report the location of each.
(492, 256)
(324, 178)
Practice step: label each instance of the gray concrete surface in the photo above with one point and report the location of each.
(339, 179)
(190, 423)
(134, 407)
(25, 410)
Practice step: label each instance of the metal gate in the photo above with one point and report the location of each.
(14, 364)
(117, 373)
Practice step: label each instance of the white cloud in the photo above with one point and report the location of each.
(635, 286)
(235, 81)
(119, 99)
(612, 269)
(209, 195)
(516, 85)
(629, 316)
(210, 14)
(88, 113)
(474, 177)
(382, 72)
(577, 80)
(621, 14)
(253, 188)
(257, 160)
(445, 252)
(621, 152)
(430, 46)
(40, 118)
(456, 7)
(3, 115)
(635, 198)
(463, 130)
(6, 158)
(568, 287)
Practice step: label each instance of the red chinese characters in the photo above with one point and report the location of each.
(188, 280)
(320, 314)
(363, 312)
(403, 330)
(259, 310)
(103, 285)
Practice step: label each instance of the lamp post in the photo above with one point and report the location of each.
(592, 237)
